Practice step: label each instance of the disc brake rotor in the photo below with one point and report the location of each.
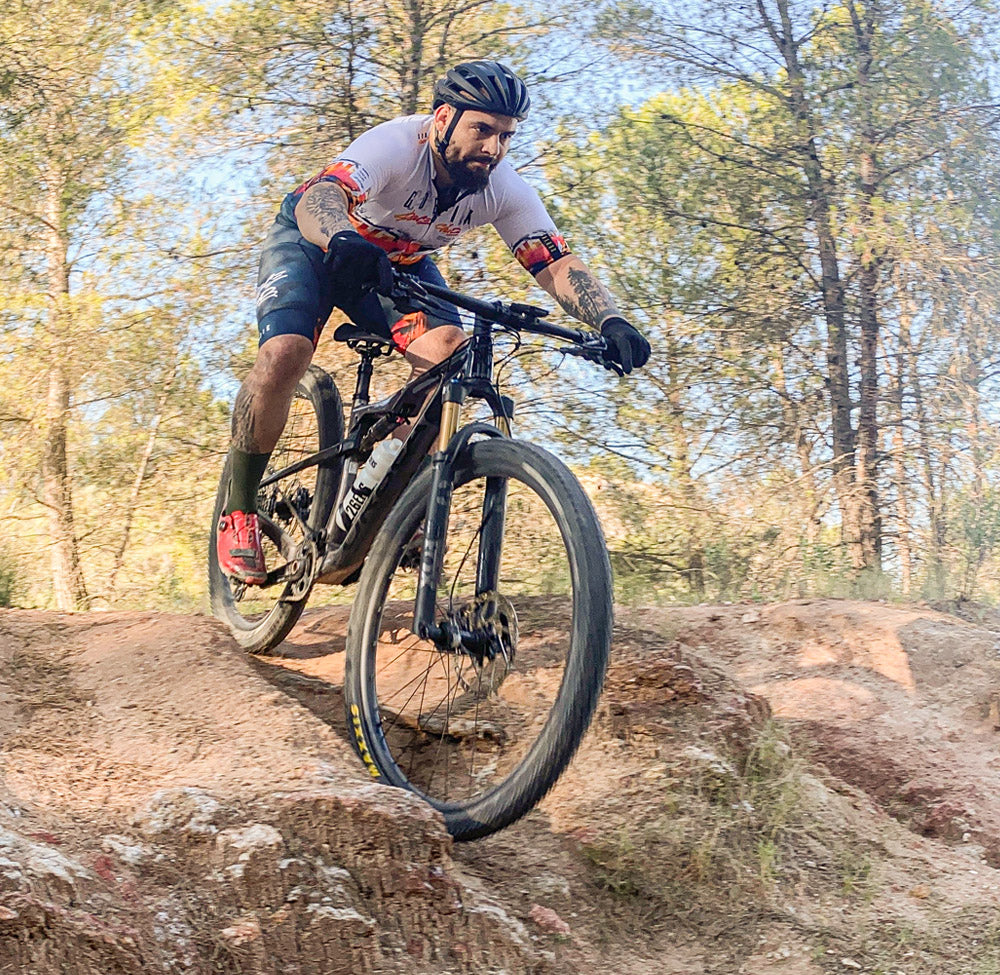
(492, 614)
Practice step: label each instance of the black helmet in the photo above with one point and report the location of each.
(484, 86)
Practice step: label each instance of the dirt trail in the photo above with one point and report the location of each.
(794, 789)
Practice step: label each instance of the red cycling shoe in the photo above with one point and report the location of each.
(238, 546)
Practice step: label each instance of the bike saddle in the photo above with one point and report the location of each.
(349, 332)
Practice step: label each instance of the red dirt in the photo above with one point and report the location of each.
(167, 804)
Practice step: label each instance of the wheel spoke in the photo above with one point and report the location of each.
(456, 701)
(455, 722)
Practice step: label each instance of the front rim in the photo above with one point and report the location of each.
(457, 725)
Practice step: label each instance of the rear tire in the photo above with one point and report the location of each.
(483, 740)
(258, 618)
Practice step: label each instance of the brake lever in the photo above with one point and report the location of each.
(528, 311)
(594, 352)
(406, 286)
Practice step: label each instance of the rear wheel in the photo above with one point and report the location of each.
(260, 617)
(483, 731)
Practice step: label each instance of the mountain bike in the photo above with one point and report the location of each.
(479, 634)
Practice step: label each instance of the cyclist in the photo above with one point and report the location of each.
(400, 191)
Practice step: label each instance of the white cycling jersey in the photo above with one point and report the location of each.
(388, 174)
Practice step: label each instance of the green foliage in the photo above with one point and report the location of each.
(725, 179)
(8, 579)
(720, 836)
(146, 146)
(163, 135)
(978, 532)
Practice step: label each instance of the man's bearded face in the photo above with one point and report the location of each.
(480, 140)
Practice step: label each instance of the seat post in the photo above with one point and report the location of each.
(369, 352)
(363, 384)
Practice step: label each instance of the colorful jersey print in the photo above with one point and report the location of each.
(388, 174)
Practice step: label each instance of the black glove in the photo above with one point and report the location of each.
(626, 346)
(358, 265)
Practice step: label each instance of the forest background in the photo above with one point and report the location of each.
(797, 201)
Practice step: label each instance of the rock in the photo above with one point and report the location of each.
(241, 933)
(30, 865)
(179, 811)
(549, 885)
(128, 852)
(548, 920)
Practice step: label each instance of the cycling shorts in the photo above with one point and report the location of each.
(295, 295)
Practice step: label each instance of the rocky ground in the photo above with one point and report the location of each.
(795, 789)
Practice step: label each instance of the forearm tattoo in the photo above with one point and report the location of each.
(244, 432)
(326, 204)
(585, 298)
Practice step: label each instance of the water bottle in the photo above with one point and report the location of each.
(367, 478)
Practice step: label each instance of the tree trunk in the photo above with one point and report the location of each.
(794, 432)
(980, 540)
(868, 551)
(936, 513)
(904, 528)
(819, 210)
(140, 477)
(413, 75)
(680, 452)
(68, 584)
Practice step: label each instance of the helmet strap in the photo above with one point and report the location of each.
(441, 145)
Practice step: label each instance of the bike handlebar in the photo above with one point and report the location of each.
(514, 315)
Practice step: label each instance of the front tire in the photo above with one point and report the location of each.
(259, 618)
(483, 738)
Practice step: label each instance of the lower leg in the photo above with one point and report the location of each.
(260, 412)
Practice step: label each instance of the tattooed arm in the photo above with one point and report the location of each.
(577, 290)
(322, 212)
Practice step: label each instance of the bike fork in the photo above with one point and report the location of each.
(447, 634)
(436, 524)
(436, 530)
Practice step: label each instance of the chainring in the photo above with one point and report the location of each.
(304, 568)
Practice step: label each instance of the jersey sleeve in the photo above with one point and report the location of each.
(360, 169)
(526, 227)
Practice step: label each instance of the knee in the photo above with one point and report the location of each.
(435, 346)
(450, 340)
(281, 362)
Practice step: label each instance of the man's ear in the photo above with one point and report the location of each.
(442, 116)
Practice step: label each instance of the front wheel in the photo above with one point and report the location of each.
(483, 729)
(259, 618)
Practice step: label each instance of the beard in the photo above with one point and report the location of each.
(465, 177)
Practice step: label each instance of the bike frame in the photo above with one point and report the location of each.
(433, 401)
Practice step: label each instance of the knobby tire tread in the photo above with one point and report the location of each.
(589, 645)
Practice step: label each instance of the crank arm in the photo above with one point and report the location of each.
(300, 573)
